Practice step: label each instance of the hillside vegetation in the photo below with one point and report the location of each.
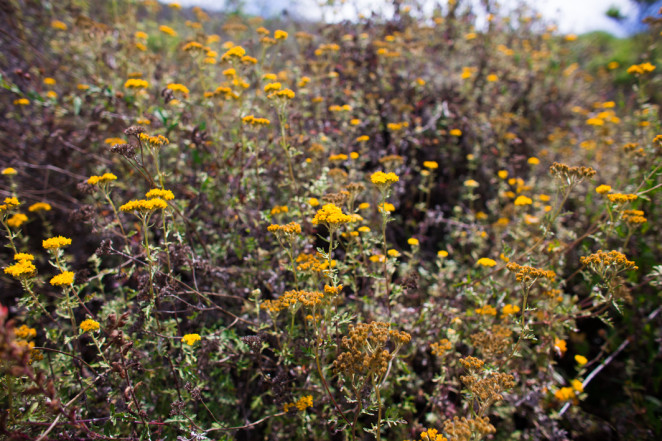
(217, 226)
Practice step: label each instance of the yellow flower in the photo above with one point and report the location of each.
(17, 220)
(331, 215)
(25, 332)
(363, 138)
(9, 171)
(455, 132)
(280, 35)
(442, 253)
(23, 269)
(577, 385)
(382, 179)
(533, 160)
(56, 242)
(523, 200)
(364, 229)
(22, 102)
(413, 241)
(60, 25)
(136, 83)
(432, 165)
(492, 78)
(176, 87)
(602, 189)
(23, 256)
(386, 206)
(354, 155)
(393, 253)
(471, 183)
(140, 35)
(278, 209)
(64, 278)
(565, 394)
(144, 205)
(314, 202)
(159, 193)
(39, 206)
(49, 81)
(503, 174)
(509, 309)
(486, 261)
(106, 177)
(168, 30)
(89, 325)
(581, 360)
(560, 346)
(364, 206)
(190, 339)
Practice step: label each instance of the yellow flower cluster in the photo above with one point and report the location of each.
(487, 310)
(190, 339)
(289, 229)
(10, 202)
(89, 325)
(486, 261)
(432, 435)
(280, 35)
(384, 179)
(136, 83)
(64, 278)
(8, 171)
(641, 69)
(17, 220)
(24, 268)
(233, 52)
(619, 198)
(39, 206)
(291, 298)
(278, 209)
(154, 141)
(524, 273)
(331, 215)
(432, 165)
(56, 242)
(523, 200)
(603, 259)
(312, 263)
(176, 87)
(143, 205)
(302, 403)
(160, 193)
(633, 217)
(253, 121)
(25, 332)
(284, 93)
(439, 348)
(602, 189)
(509, 310)
(106, 177)
(168, 30)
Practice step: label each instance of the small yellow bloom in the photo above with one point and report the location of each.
(471, 183)
(486, 261)
(602, 189)
(382, 179)
(17, 220)
(581, 360)
(455, 132)
(64, 278)
(523, 200)
(364, 206)
(168, 30)
(393, 253)
(492, 78)
(190, 339)
(413, 241)
(560, 346)
(503, 174)
(314, 202)
(9, 171)
(577, 385)
(509, 309)
(432, 165)
(442, 253)
(533, 160)
(49, 81)
(280, 35)
(56, 242)
(89, 325)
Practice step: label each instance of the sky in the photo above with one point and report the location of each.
(572, 16)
